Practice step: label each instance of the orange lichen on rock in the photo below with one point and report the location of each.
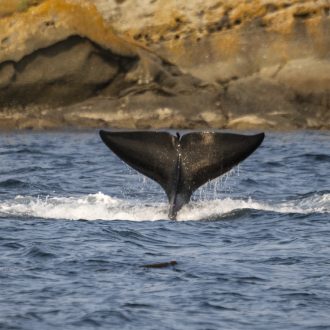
(53, 21)
(163, 20)
(283, 20)
(8, 7)
(319, 35)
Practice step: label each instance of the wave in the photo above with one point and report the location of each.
(13, 183)
(25, 150)
(318, 157)
(104, 207)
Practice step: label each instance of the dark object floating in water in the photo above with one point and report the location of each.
(161, 264)
(181, 164)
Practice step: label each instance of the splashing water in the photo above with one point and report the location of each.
(103, 207)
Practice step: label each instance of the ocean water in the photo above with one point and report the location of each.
(77, 226)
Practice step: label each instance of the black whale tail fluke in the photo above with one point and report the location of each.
(181, 164)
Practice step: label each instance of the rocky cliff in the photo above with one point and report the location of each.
(271, 58)
(62, 65)
(139, 64)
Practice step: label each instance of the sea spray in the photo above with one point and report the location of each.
(100, 206)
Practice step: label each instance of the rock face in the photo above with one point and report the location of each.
(270, 58)
(83, 74)
(244, 64)
(8, 7)
(63, 73)
(235, 33)
(48, 57)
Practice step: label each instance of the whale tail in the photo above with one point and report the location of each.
(181, 164)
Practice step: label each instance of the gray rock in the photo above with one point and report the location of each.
(67, 72)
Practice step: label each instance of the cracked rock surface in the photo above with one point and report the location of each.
(270, 58)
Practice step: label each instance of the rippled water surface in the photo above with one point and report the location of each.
(77, 226)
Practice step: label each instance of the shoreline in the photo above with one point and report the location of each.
(43, 119)
(96, 129)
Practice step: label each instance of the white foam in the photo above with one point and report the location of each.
(90, 207)
(221, 207)
(103, 207)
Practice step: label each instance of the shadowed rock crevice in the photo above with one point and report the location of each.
(67, 72)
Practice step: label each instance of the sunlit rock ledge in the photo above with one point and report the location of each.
(66, 64)
(271, 58)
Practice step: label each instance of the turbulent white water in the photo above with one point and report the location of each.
(103, 207)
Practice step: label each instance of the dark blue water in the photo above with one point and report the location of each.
(76, 225)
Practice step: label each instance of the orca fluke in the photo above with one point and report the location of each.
(181, 164)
